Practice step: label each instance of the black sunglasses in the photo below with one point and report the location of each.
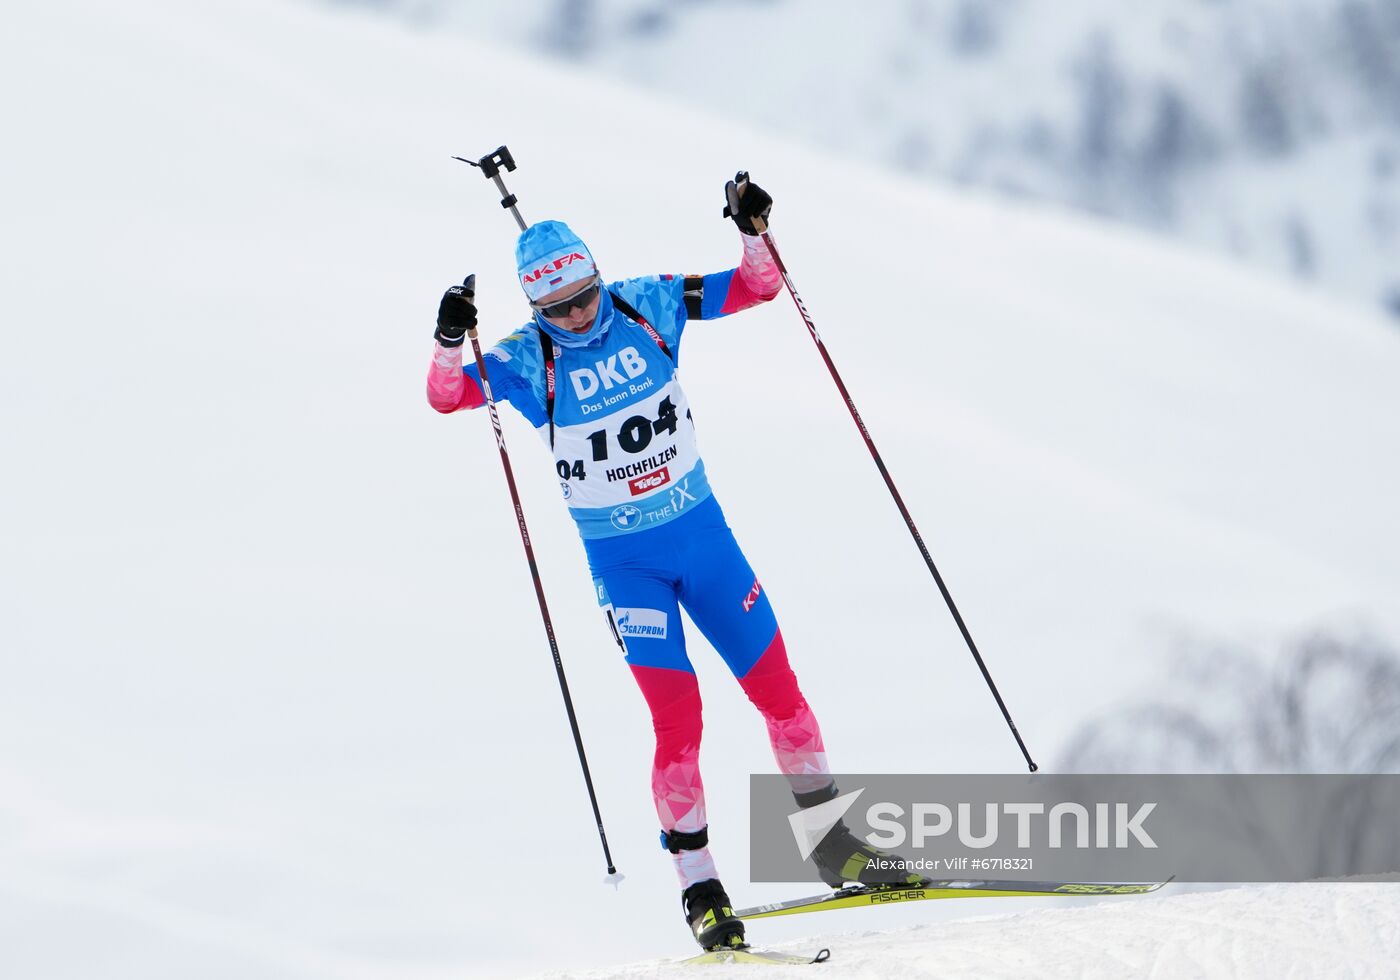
(578, 300)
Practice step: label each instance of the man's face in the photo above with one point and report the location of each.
(579, 318)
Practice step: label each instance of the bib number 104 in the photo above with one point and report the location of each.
(633, 437)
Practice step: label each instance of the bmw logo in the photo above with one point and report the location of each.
(626, 517)
(568, 490)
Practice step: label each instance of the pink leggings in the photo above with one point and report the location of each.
(674, 699)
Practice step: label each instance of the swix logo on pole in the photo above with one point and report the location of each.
(606, 374)
(495, 418)
(802, 308)
(549, 268)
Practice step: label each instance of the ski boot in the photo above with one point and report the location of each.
(842, 857)
(711, 917)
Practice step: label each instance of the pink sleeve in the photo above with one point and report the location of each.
(449, 390)
(757, 279)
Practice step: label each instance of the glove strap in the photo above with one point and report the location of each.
(447, 341)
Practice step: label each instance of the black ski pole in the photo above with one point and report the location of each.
(741, 180)
(490, 165)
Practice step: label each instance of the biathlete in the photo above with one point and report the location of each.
(594, 371)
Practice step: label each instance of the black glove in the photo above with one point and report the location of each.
(456, 314)
(747, 201)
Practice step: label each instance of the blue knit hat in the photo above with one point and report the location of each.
(548, 255)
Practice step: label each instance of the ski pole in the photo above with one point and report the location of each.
(741, 181)
(490, 165)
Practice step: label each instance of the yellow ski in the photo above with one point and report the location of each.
(864, 895)
(747, 954)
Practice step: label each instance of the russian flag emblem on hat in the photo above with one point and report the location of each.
(548, 256)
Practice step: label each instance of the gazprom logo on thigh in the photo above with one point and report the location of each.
(649, 623)
(626, 517)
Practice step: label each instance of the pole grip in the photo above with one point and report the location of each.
(469, 285)
(759, 225)
(740, 185)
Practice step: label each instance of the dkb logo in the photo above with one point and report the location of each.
(605, 374)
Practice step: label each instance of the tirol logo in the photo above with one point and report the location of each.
(605, 374)
(649, 481)
(642, 622)
(554, 266)
(752, 597)
(626, 517)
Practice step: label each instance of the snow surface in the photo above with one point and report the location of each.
(1277, 931)
(275, 699)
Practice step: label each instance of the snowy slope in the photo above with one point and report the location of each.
(1309, 930)
(1266, 130)
(275, 699)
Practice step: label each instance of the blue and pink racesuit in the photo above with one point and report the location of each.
(609, 404)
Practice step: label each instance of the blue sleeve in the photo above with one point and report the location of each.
(661, 299)
(515, 367)
(716, 293)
